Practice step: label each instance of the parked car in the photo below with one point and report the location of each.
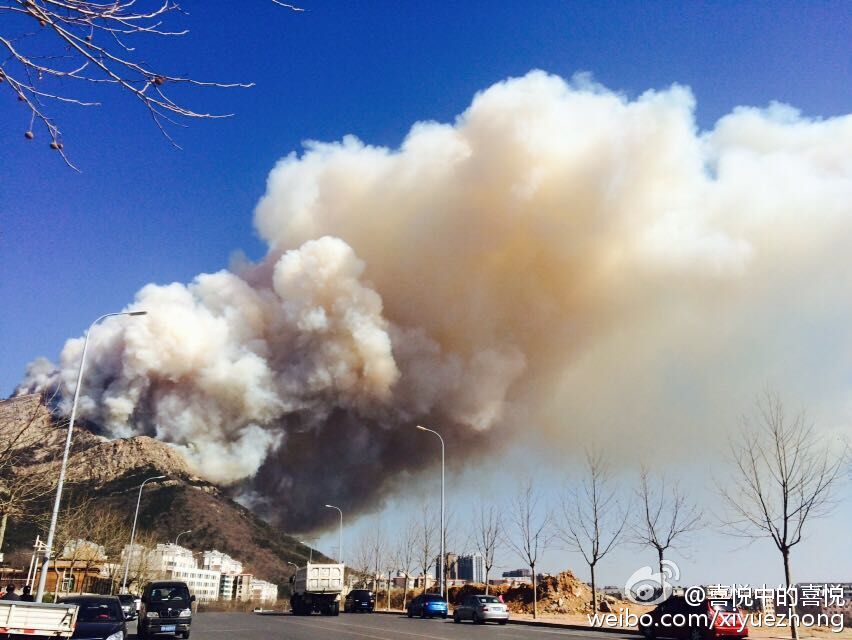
(359, 600)
(428, 605)
(166, 609)
(98, 617)
(707, 620)
(481, 609)
(128, 605)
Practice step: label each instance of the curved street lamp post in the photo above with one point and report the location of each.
(51, 532)
(340, 535)
(442, 560)
(133, 532)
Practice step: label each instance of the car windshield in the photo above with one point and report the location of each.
(126, 598)
(169, 594)
(97, 612)
(361, 593)
(721, 605)
(433, 597)
(487, 599)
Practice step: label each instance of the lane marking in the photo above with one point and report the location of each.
(385, 629)
(318, 626)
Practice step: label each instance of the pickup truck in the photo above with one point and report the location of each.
(37, 619)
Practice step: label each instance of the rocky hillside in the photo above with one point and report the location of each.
(109, 472)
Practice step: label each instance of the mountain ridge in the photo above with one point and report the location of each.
(109, 473)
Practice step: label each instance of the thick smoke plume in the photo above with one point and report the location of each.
(559, 260)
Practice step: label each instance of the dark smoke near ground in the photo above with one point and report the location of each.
(559, 263)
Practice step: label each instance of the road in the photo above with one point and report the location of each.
(248, 626)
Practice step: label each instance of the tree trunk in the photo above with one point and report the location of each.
(794, 631)
(594, 591)
(660, 564)
(535, 592)
(3, 529)
(486, 582)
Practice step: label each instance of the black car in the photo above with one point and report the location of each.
(166, 609)
(128, 605)
(98, 618)
(360, 600)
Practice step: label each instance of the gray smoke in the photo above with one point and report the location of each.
(557, 246)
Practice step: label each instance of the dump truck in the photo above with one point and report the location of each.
(37, 619)
(317, 587)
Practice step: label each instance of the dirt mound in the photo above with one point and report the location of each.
(564, 593)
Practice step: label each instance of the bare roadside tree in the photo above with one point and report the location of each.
(55, 49)
(785, 476)
(487, 536)
(592, 519)
(404, 555)
(427, 543)
(665, 515)
(529, 531)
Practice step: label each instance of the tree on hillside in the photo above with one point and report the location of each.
(487, 535)
(784, 476)
(528, 531)
(592, 520)
(19, 432)
(665, 516)
(55, 51)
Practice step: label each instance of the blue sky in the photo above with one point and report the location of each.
(75, 245)
(142, 212)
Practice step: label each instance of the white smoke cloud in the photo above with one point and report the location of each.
(559, 250)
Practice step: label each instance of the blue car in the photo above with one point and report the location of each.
(428, 605)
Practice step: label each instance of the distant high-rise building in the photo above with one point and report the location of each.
(518, 573)
(472, 568)
(452, 567)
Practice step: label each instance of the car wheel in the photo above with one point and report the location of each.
(503, 621)
(456, 617)
(422, 613)
(410, 613)
(477, 619)
(185, 635)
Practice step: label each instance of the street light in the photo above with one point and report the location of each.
(340, 538)
(443, 560)
(294, 564)
(180, 534)
(55, 515)
(311, 549)
(133, 531)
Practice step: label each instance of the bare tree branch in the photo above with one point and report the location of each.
(530, 531)
(593, 521)
(487, 536)
(785, 476)
(665, 518)
(76, 43)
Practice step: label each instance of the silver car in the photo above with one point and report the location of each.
(481, 609)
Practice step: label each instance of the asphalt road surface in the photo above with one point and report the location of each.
(249, 626)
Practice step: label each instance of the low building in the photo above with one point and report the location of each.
(263, 591)
(242, 587)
